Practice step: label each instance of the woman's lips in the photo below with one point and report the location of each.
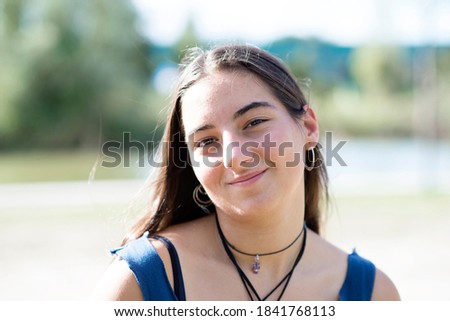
(247, 178)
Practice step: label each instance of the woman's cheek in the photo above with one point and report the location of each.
(287, 151)
(206, 171)
(206, 162)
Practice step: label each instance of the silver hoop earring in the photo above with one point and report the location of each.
(202, 203)
(313, 161)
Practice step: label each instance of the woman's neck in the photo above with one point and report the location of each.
(263, 234)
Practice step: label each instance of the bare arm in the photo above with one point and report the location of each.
(384, 289)
(118, 284)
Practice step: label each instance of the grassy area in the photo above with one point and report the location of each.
(59, 166)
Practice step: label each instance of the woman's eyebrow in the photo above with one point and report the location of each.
(237, 114)
(252, 105)
(199, 129)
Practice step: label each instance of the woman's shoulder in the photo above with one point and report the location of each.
(370, 282)
(118, 283)
(323, 253)
(143, 267)
(355, 277)
(384, 289)
(188, 237)
(137, 273)
(189, 229)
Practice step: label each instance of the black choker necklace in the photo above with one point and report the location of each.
(247, 284)
(256, 266)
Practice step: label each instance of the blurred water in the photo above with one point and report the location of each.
(391, 167)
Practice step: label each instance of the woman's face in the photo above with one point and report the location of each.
(246, 149)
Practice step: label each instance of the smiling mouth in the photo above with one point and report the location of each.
(248, 179)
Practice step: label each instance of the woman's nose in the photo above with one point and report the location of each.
(239, 153)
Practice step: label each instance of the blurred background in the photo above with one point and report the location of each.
(76, 74)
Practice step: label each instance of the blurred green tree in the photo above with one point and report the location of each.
(382, 69)
(443, 79)
(382, 104)
(78, 72)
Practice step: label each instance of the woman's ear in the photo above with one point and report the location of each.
(311, 127)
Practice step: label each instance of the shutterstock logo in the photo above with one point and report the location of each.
(119, 153)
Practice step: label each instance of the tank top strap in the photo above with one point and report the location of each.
(178, 282)
(359, 281)
(149, 271)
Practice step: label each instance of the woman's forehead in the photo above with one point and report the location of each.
(223, 87)
(220, 94)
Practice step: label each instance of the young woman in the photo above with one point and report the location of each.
(235, 210)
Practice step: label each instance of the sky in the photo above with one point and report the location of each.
(343, 22)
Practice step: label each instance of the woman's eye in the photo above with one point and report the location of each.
(205, 142)
(255, 122)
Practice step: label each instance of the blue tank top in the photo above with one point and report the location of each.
(148, 269)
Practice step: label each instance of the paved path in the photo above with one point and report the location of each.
(44, 194)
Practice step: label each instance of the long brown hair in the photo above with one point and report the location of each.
(173, 181)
